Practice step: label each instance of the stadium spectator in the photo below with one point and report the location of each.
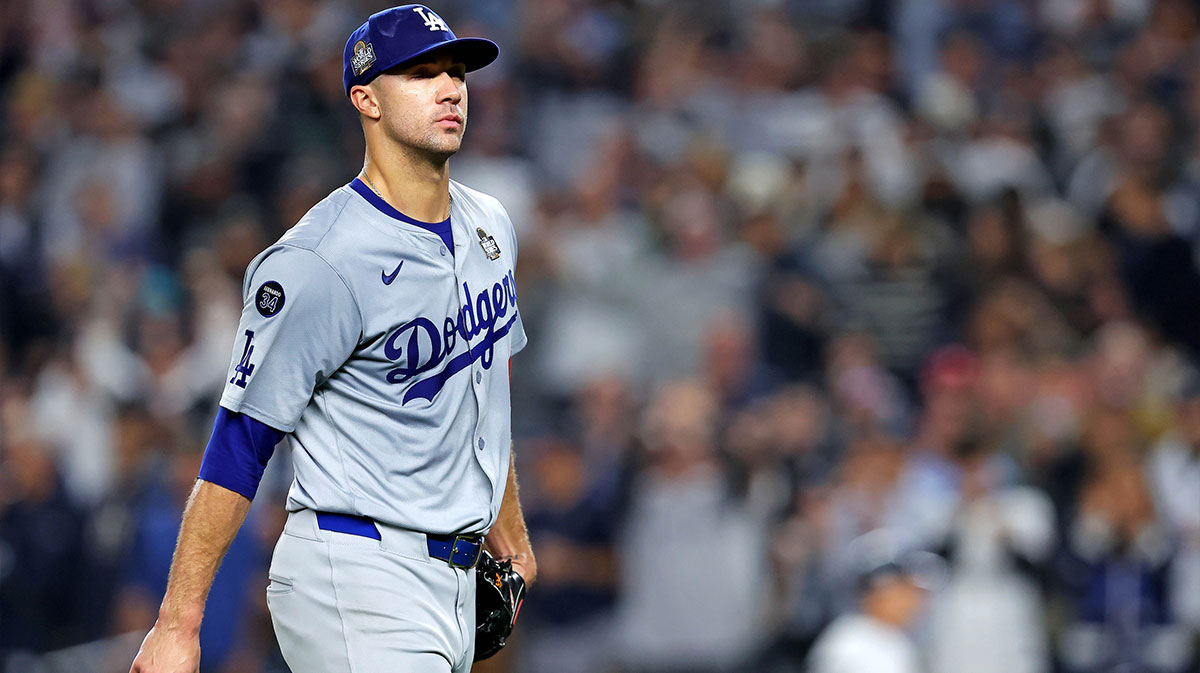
(891, 597)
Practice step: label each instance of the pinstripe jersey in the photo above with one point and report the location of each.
(383, 353)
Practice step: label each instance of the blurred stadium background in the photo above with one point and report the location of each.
(792, 271)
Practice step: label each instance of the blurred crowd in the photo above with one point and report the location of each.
(794, 273)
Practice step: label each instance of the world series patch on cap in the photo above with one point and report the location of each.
(401, 34)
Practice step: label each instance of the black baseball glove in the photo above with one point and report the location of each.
(499, 592)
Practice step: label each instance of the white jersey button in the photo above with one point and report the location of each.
(478, 377)
(443, 251)
(481, 443)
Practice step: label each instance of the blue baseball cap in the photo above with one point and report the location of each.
(400, 34)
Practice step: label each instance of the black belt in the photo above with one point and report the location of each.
(460, 551)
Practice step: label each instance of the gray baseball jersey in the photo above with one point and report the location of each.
(384, 356)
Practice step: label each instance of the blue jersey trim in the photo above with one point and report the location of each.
(238, 451)
(442, 229)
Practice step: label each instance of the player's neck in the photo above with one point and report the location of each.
(419, 187)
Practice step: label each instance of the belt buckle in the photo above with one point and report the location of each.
(454, 551)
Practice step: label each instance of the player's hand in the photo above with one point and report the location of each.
(167, 650)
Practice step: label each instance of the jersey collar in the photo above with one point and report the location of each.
(441, 229)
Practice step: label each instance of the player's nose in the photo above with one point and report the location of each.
(448, 90)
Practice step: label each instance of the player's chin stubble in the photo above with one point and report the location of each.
(448, 141)
(438, 142)
(442, 146)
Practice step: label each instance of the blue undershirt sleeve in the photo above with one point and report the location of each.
(238, 452)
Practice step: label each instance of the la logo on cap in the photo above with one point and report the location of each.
(364, 57)
(433, 21)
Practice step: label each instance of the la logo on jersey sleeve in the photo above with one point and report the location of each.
(244, 368)
(268, 301)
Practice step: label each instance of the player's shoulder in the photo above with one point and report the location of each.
(484, 211)
(303, 249)
(474, 200)
(313, 229)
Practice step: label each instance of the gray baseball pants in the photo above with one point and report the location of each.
(344, 603)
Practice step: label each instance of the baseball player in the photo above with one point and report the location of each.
(375, 340)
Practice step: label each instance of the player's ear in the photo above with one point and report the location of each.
(366, 101)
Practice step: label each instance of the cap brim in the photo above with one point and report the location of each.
(473, 52)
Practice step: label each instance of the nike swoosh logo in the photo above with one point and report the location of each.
(389, 277)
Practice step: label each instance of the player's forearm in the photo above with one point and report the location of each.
(509, 538)
(211, 520)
